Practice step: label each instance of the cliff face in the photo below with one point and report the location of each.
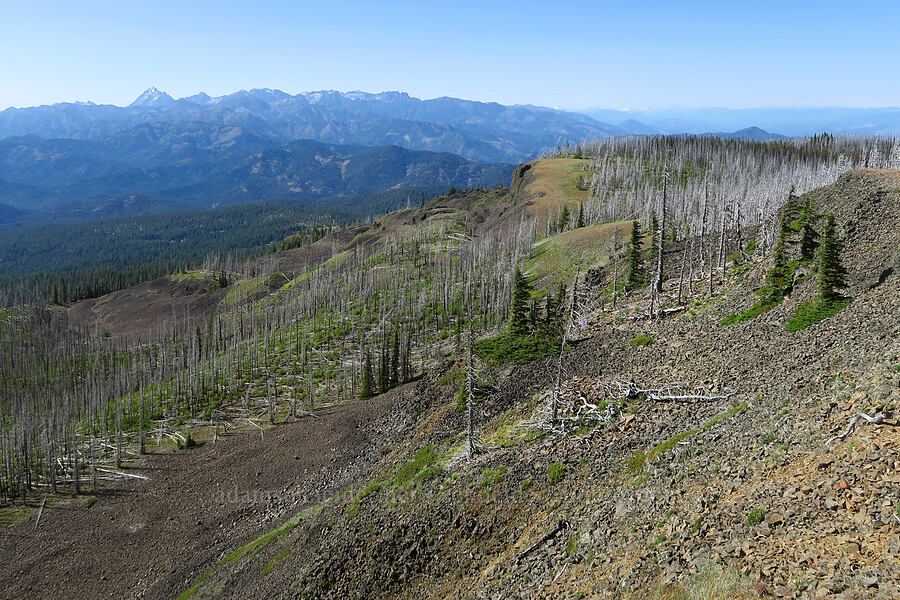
(521, 177)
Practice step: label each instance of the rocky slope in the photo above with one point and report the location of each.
(740, 493)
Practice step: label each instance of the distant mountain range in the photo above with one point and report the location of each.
(790, 122)
(480, 131)
(83, 160)
(159, 167)
(160, 153)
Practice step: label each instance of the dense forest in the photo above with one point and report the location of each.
(70, 261)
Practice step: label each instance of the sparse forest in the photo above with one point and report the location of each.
(456, 282)
(376, 314)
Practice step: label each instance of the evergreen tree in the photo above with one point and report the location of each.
(553, 318)
(654, 232)
(395, 361)
(384, 365)
(832, 273)
(777, 275)
(563, 219)
(535, 314)
(367, 383)
(636, 275)
(792, 208)
(405, 364)
(580, 223)
(520, 317)
(809, 238)
(549, 315)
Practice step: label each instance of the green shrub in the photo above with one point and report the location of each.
(528, 483)
(493, 476)
(641, 340)
(586, 428)
(370, 489)
(755, 516)
(421, 468)
(761, 306)
(507, 347)
(555, 473)
(452, 377)
(461, 398)
(271, 564)
(90, 502)
(636, 462)
(189, 442)
(815, 311)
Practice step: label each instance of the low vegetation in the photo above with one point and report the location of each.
(641, 339)
(755, 516)
(555, 473)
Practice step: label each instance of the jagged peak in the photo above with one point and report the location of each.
(152, 97)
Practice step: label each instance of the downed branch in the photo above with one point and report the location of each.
(582, 402)
(561, 526)
(125, 475)
(669, 392)
(40, 512)
(876, 420)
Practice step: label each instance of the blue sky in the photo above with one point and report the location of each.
(567, 54)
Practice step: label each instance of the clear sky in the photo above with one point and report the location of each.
(553, 53)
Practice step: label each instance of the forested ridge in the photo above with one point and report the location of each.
(65, 262)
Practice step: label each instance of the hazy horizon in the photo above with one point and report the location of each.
(580, 109)
(701, 54)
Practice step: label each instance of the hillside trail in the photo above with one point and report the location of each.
(149, 539)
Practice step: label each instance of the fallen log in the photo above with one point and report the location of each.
(561, 526)
(876, 420)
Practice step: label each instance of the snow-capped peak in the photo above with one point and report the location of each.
(153, 97)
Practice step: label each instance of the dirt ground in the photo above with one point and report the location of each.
(151, 539)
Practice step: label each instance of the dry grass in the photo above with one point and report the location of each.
(559, 256)
(711, 582)
(555, 184)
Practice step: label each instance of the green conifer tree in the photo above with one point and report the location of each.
(580, 223)
(394, 375)
(553, 318)
(563, 219)
(520, 315)
(777, 275)
(384, 364)
(832, 274)
(636, 272)
(654, 232)
(809, 239)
